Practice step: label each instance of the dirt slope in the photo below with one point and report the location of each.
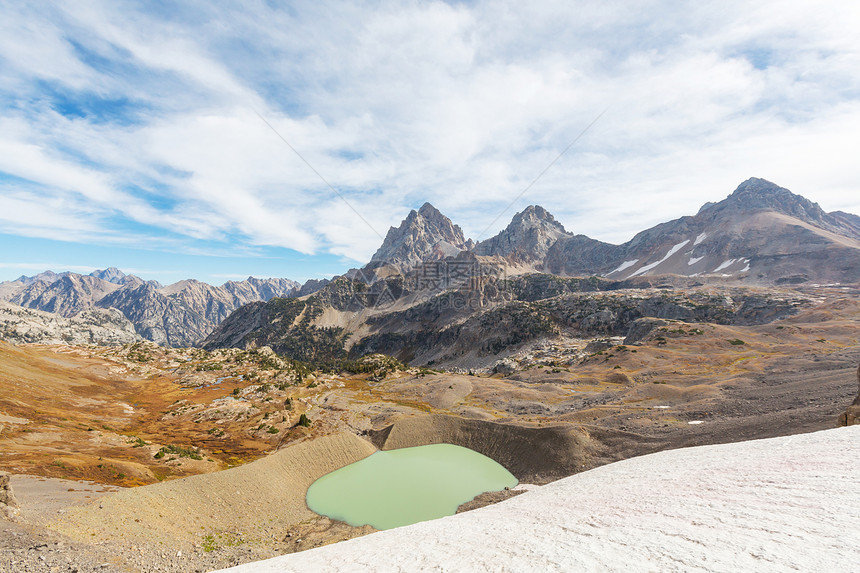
(256, 500)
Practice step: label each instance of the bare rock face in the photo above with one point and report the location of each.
(106, 327)
(761, 231)
(68, 296)
(425, 235)
(8, 504)
(642, 327)
(110, 274)
(851, 416)
(179, 314)
(253, 289)
(527, 239)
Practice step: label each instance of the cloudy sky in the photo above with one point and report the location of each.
(218, 140)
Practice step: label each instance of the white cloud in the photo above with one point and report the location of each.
(401, 103)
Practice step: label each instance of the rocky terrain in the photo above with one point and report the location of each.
(732, 263)
(738, 323)
(527, 240)
(473, 327)
(761, 233)
(144, 414)
(106, 327)
(180, 314)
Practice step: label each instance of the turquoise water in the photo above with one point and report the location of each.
(401, 487)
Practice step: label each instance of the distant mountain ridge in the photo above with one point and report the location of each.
(180, 314)
(760, 234)
(105, 327)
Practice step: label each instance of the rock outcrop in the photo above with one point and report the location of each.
(527, 239)
(425, 235)
(106, 327)
(8, 504)
(67, 296)
(477, 322)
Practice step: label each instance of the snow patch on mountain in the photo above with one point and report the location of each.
(624, 266)
(671, 252)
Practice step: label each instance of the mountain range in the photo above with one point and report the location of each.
(429, 296)
(404, 301)
(180, 314)
(760, 233)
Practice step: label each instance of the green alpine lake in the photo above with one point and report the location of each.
(400, 487)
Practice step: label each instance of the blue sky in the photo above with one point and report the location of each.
(136, 134)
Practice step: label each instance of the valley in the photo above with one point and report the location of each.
(143, 414)
(150, 427)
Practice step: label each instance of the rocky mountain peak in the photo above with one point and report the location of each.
(755, 193)
(527, 238)
(110, 274)
(423, 235)
(534, 216)
(47, 277)
(428, 211)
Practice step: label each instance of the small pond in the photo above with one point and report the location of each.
(400, 487)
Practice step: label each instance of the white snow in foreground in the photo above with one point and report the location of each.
(699, 239)
(671, 252)
(783, 504)
(625, 265)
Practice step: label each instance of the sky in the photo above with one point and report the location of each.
(218, 140)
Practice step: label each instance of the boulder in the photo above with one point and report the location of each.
(505, 366)
(598, 346)
(641, 328)
(8, 504)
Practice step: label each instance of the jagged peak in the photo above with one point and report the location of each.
(536, 214)
(110, 274)
(424, 234)
(756, 193)
(528, 237)
(757, 184)
(429, 211)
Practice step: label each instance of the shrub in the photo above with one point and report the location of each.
(180, 451)
(736, 342)
(304, 421)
